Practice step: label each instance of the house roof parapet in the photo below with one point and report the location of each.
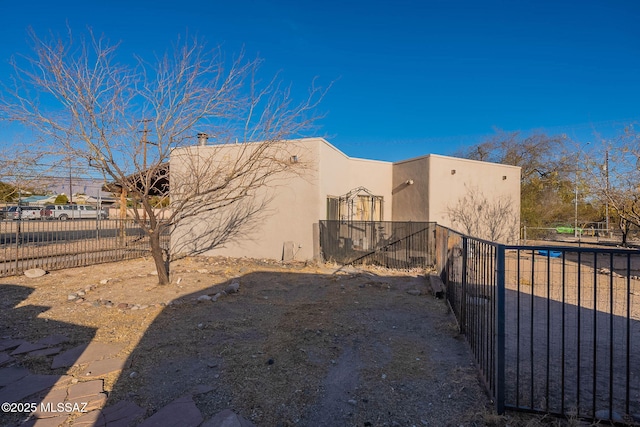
(462, 159)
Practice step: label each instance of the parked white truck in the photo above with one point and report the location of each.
(66, 212)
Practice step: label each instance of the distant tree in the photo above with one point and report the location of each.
(159, 202)
(20, 169)
(61, 199)
(493, 219)
(537, 154)
(8, 193)
(614, 176)
(548, 175)
(125, 121)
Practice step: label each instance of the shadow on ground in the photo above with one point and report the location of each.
(304, 349)
(35, 356)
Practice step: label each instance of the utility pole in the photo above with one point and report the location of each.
(575, 226)
(70, 184)
(145, 131)
(123, 213)
(606, 171)
(144, 176)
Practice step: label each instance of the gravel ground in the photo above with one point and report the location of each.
(296, 345)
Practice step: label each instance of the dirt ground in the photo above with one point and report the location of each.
(573, 333)
(307, 345)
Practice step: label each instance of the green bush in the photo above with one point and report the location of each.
(62, 199)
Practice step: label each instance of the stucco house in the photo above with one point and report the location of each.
(333, 186)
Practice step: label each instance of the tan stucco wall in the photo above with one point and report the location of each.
(289, 216)
(299, 202)
(435, 187)
(411, 190)
(446, 188)
(340, 174)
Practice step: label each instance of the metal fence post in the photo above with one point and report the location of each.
(463, 294)
(17, 256)
(500, 330)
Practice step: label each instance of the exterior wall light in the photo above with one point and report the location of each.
(453, 171)
(409, 182)
(504, 177)
(294, 159)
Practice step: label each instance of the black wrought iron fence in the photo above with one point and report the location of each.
(552, 329)
(572, 340)
(389, 244)
(470, 269)
(53, 245)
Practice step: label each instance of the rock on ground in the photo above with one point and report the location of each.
(35, 272)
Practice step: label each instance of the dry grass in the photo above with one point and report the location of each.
(298, 345)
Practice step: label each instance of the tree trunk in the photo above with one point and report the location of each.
(625, 227)
(625, 232)
(160, 257)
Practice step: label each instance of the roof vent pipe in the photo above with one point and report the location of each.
(202, 139)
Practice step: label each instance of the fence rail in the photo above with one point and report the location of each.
(552, 329)
(573, 340)
(586, 235)
(53, 245)
(470, 270)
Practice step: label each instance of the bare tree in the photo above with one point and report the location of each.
(125, 121)
(547, 165)
(20, 171)
(537, 154)
(492, 219)
(614, 177)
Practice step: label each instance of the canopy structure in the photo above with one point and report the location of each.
(359, 204)
(158, 178)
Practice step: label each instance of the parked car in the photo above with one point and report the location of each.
(66, 212)
(23, 212)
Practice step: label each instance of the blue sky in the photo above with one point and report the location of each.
(410, 77)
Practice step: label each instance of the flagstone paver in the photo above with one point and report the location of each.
(27, 386)
(182, 412)
(227, 418)
(11, 374)
(45, 422)
(90, 419)
(50, 391)
(46, 342)
(86, 388)
(69, 357)
(10, 343)
(122, 413)
(27, 347)
(45, 352)
(63, 381)
(201, 389)
(5, 358)
(98, 351)
(103, 367)
(88, 403)
(48, 407)
(53, 340)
